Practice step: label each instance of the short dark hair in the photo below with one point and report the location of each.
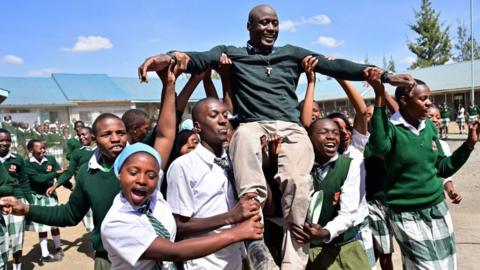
(198, 105)
(78, 122)
(405, 91)
(341, 116)
(100, 118)
(133, 117)
(2, 130)
(89, 129)
(32, 142)
(315, 122)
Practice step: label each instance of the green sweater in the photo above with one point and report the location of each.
(72, 145)
(445, 112)
(78, 158)
(95, 189)
(472, 110)
(41, 177)
(6, 183)
(413, 163)
(15, 165)
(259, 97)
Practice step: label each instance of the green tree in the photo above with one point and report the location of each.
(433, 45)
(464, 44)
(391, 65)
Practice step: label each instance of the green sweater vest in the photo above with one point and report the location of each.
(413, 163)
(6, 183)
(259, 97)
(77, 159)
(332, 183)
(72, 145)
(41, 177)
(95, 189)
(16, 169)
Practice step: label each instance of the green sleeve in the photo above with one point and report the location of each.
(447, 166)
(68, 214)
(6, 182)
(199, 61)
(55, 164)
(72, 168)
(39, 177)
(338, 68)
(381, 136)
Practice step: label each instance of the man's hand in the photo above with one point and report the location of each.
(373, 75)
(250, 229)
(167, 75)
(10, 205)
(52, 189)
(59, 171)
(247, 207)
(181, 63)
(309, 232)
(153, 63)
(473, 134)
(405, 80)
(454, 196)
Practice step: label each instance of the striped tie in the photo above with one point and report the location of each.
(160, 230)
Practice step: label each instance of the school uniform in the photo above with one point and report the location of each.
(472, 113)
(414, 161)
(77, 159)
(41, 175)
(96, 188)
(72, 144)
(338, 181)
(6, 189)
(200, 188)
(15, 165)
(125, 249)
(355, 151)
(445, 116)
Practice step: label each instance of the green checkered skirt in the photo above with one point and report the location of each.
(88, 221)
(3, 244)
(41, 200)
(15, 229)
(380, 227)
(425, 237)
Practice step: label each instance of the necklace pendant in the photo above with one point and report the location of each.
(268, 71)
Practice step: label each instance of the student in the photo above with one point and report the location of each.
(332, 238)
(74, 143)
(445, 111)
(472, 112)
(41, 171)
(435, 116)
(6, 189)
(264, 76)
(97, 184)
(201, 189)
(461, 118)
(78, 158)
(414, 161)
(140, 208)
(15, 165)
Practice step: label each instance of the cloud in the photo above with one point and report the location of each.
(289, 25)
(329, 42)
(409, 60)
(42, 72)
(13, 59)
(90, 44)
(318, 19)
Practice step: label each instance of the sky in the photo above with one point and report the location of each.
(113, 37)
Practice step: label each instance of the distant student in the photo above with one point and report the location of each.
(445, 111)
(15, 165)
(461, 119)
(74, 143)
(42, 171)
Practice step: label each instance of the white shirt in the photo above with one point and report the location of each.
(199, 188)
(127, 233)
(397, 119)
(447, 152)
(355, 151)
(7, 156)
(349, 200)
(34, 160)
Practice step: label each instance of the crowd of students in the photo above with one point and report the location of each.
(207, 193)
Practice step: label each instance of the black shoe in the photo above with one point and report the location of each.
(259, 257)
(59, 254)
(49, 258)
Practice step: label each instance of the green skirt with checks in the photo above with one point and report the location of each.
(42, 200)
(380, 227)
(3, 244)
(425, 237)
(15, 229)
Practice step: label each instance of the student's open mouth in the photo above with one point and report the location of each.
(330, 147)
(138, 194)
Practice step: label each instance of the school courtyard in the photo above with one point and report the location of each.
(466, 217)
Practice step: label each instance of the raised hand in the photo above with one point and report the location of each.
(473, 134)
(10, 205)
(250, 229)
(405, 80)
(308, 64)
(153, 63)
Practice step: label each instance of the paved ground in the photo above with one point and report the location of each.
(466, 217)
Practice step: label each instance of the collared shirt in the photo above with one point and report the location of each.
(93, 163)
(253, 50)
(92, 147)
(7, 156)
(349, 201)
(199, 188)
(126, 233)
(447, 152)
(34, 160)
(397, 119)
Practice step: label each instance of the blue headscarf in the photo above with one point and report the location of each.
(133, 149)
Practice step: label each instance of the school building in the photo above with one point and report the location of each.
(69, 97)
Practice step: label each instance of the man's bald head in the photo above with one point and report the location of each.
(255, 11)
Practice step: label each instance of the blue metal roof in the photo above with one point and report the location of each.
(32, 91)
(90, 87)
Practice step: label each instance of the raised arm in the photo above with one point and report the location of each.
(225, 71)
(361, 115)
(166, 123)
(186, 93)
(308, 64)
